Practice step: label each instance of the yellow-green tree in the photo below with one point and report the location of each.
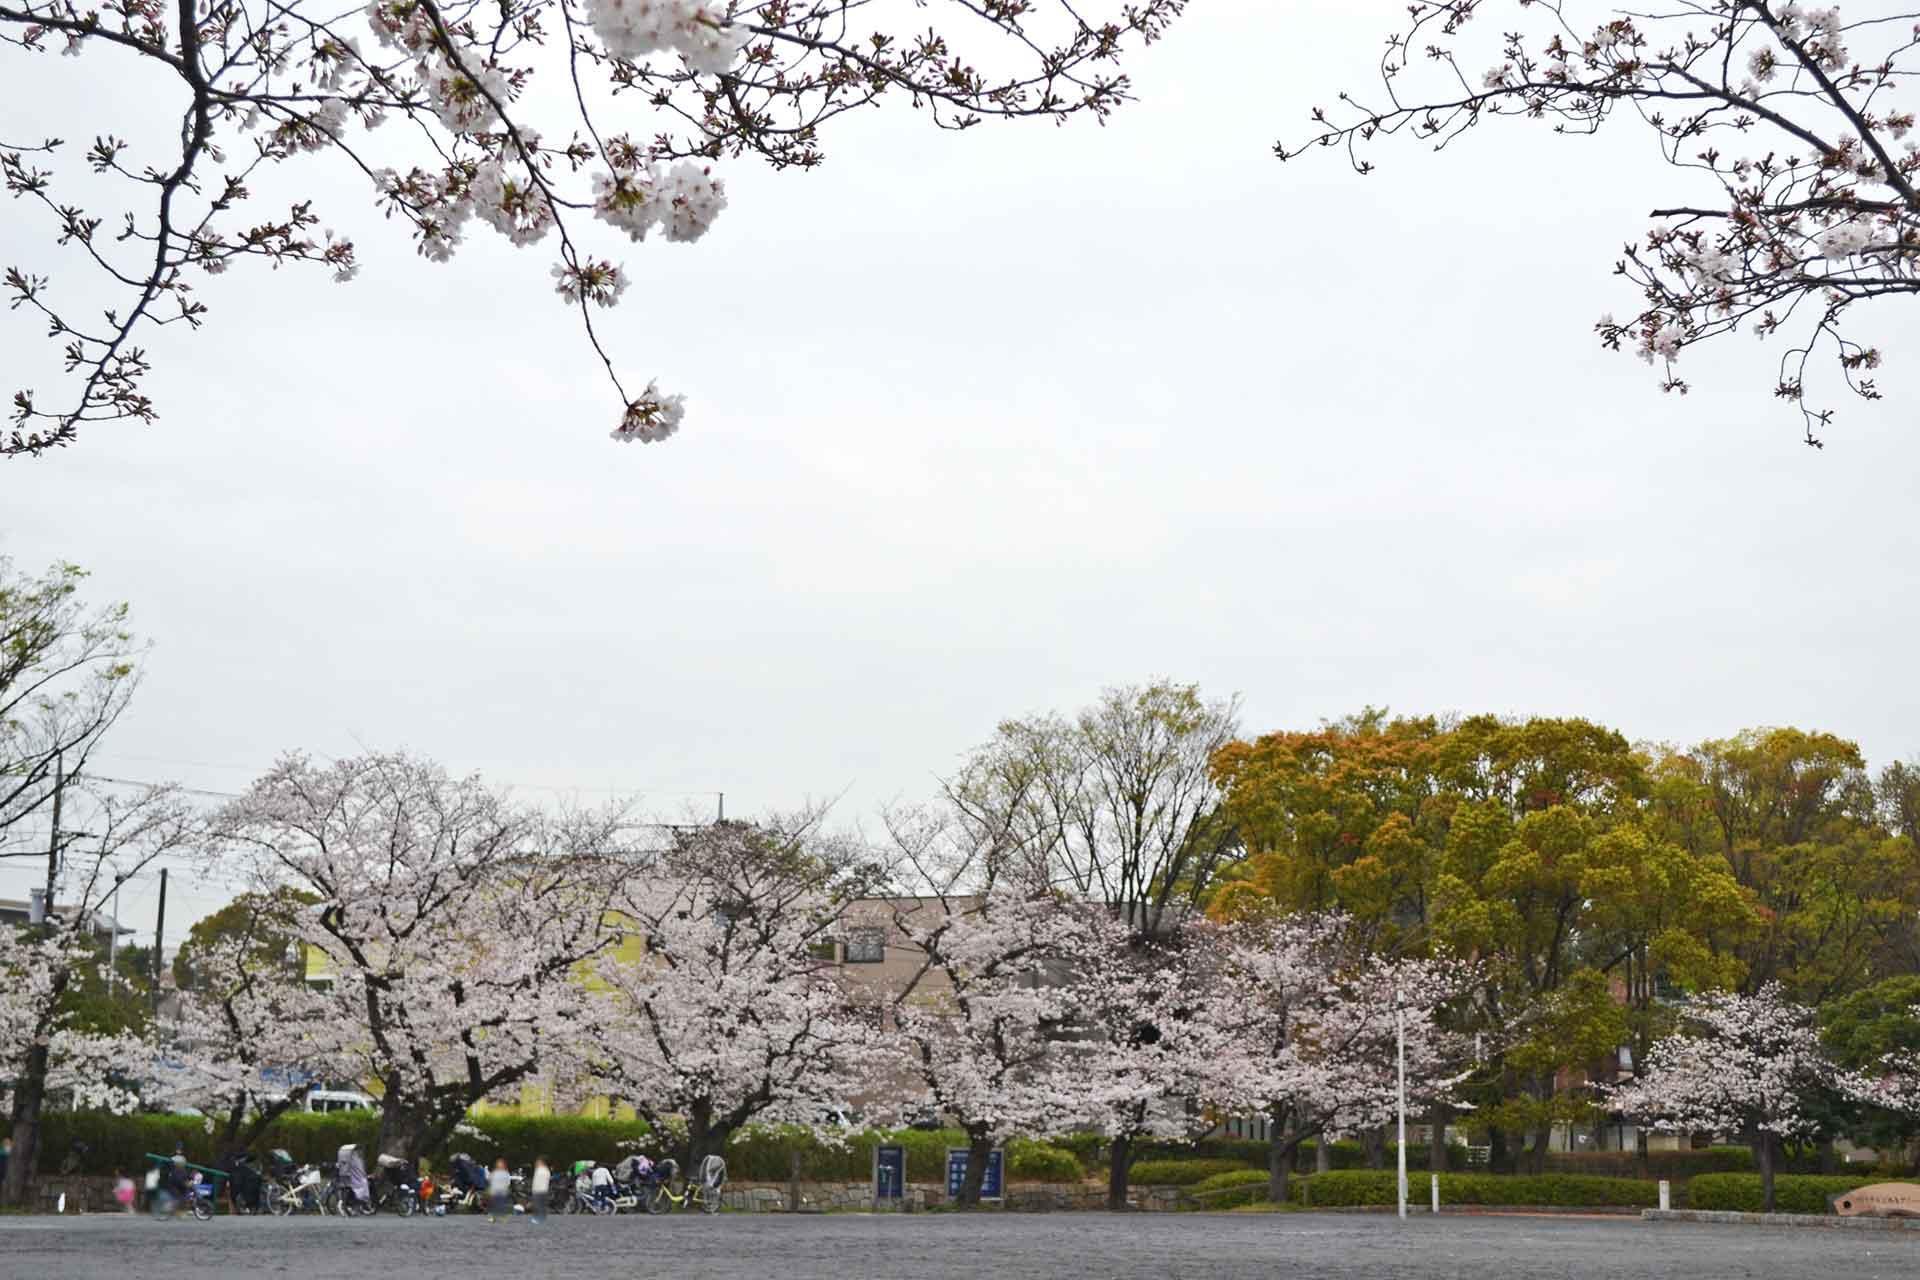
(1520, 844)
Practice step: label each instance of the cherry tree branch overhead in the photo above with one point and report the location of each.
(536, 118)
(1796, 198)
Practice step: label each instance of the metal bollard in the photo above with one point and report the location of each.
(1666, 1195)
(1436, 1193)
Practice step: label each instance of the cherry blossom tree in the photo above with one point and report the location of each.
(996, 1025)
(42, 1052)
(1309, 1026)
(1747, 1065)
(732, 1015)
(448, 922)
(1152, 1009)
(1044, 1001)
(1798, 200)
(533, 118)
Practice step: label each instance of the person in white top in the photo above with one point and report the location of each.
(542, 1178)
(499, 1191)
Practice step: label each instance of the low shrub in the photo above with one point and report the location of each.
(1357, 1187)
(1230, 1190)
(1181, 1173)
(1089, 1148)
(1792, 1192)
(1042, 1162)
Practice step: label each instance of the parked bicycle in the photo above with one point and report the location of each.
(703, 1189)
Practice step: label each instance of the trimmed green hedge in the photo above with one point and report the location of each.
(757, 1154)
(1792, 1192)
(1674, 1166)
(1230, 1190)
(1181, 1173)
(1344, 1188)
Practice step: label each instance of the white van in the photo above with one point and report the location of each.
(339, 1100)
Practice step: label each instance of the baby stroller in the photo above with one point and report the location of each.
(352, 1194)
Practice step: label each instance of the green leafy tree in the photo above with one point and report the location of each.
(1796, 820)
(263, 928)
(1861, 1031)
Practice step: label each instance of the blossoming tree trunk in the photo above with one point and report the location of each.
(979, 1148)
(28, 1096)
(1120, 1159)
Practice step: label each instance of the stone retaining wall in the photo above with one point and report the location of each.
(1028, 1197)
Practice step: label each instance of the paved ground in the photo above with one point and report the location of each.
(940, 1246)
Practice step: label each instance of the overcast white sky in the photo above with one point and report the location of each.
(980, 423)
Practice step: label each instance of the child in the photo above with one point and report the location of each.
(123, 1191)
(542, 1178)
(499, 1187)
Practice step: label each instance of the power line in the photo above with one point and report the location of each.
(504, 782)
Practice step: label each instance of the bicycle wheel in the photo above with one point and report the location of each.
(279, 1202)
(202, 1208)
(710, 1200)
(658, 1201)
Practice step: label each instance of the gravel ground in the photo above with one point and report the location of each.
(986, 1247)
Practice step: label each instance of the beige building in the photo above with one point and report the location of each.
(876, 961)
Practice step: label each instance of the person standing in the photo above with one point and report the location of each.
(542, 1179)
(499, 1191)
(123, 1191)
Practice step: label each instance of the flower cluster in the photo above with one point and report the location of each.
(697, 31)
(598, 282)
(509, 200)
(651, 418)
(683, 201)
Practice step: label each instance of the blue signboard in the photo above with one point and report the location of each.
(957, 1173)
(889, 1173)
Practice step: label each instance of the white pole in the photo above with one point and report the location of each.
(1400, 1037)
(1666, 1195)
(1436, 1193)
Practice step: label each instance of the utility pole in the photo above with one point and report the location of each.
(723, 806)
(113, 940)
(159, 933)
(53, 841)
